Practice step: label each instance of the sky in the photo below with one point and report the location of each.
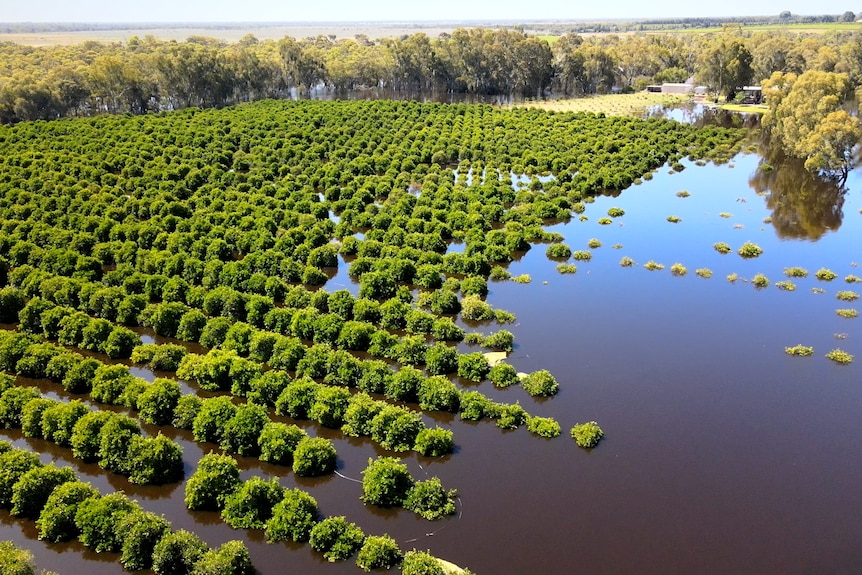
(389, 10)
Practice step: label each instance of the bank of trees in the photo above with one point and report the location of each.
(146, 75)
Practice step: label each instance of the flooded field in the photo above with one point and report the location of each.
(723, 454)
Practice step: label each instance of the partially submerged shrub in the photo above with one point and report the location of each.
(705, 273)
(336, 538)
(760, 281)
(653, 266)
(543, 426)
(594, 243)
(379, 552)
(749, 250)
(567, 268)
(674, 219)
(799, 350)
(796, 272)
(616, 212)
(604, 221)
(588, 434)
(732, 277)
(558, 251)
(678, 269)
(540, 383)
(848, 312)
(840, 356)
(683, 194)
(627, 262)
(721, 247)
(430, 500)
(582, 255)
(522, 279)
(851, 279)
(847, 295)
(825, 275)
(786, 285)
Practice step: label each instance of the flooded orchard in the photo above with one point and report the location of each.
(722, 454)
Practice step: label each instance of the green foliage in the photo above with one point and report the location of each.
(336, 538)
(558, 251)
(438, 393)
(216, 478)
(277, 442)
(379, 552)
(760, 281)
(799, 350)
(386, 482)
(627, 262)
(209, 423)
(510, 416)
(154, 460)
(115, 438)
(826, 275)
(616, 212)
(847, 313)
(396, 428)
(839, 356)
(250, 506)
(56, 522)
(421, 563)
(240, 433)
(705, 273)
(187, 409)
(12, 402)
(434, 442)
(15, 561)
(86, 435)
(474, 309)
(847, 295)
(314, 456)
(543, 426)
(177, 553)
(98, 520)
(678, 269)
(721, 247)
(785, 285)
(31, 491)
(142, 532)
(588, 434)
(674, 219)
(567, 268)
(749, 250)
(604, 221)
(14, 463)
(475, 406)
(540, 383)
(796, 272)
(292, 518)
(156, 404)
(231, 558)
(582, 255)
(473, 366)
(430, 500)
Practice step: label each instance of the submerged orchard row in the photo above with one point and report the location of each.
(218, 228)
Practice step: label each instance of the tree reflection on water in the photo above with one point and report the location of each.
(803, 205)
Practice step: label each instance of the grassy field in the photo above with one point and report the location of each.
(611, 104)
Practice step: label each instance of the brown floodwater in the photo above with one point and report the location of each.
(722, 454)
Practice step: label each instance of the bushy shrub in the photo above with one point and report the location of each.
(293, 517)
(314, 456)
(216, 477)
(430, 500)
(588, 434)
(543, 426)
(251, 506)
(540, 383)
(56, 522)
(98, 520)
(336, 538)
(386, 482)
(379, 552)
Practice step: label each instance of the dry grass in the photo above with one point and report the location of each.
(634, 105)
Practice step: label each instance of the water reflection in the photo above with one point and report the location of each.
(698, 114)
(803, 206)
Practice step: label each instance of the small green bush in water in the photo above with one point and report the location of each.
(558, 251)
(847, 295)
(851, 279)
(567, 268)
(799, 350)
(653, 266)
(616, 212)
(796, 272)
(848, 313)
(705, 273)
(674, 219)
(750, 250)
(839, 356)
(588, 434)
(605, 221)
(721, 247)
(540, 383)
(627, 262)
(678, 269)
(682, 194)
(582, 256)
(825, 275)
(543, 426)
(594, 243)
(786, 285)
(760, 281)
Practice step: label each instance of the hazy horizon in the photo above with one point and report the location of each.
(344, 11)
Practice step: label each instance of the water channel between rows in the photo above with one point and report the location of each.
(722, 453)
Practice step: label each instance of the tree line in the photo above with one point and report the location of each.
(149, 75)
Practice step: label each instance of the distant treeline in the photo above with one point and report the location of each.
(149, 75)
